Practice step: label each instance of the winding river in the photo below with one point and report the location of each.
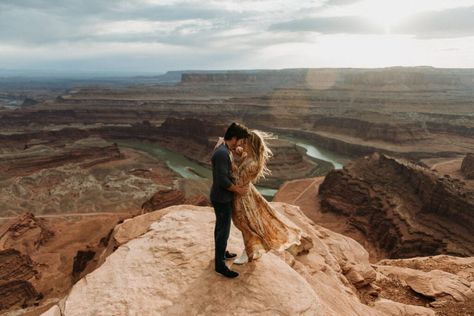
(192, 170)
(337, 160)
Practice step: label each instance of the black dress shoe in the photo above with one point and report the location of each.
(229, 255)
(227, 272)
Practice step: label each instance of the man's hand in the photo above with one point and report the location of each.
(240, 190)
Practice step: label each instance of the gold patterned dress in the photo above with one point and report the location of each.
(262, 227)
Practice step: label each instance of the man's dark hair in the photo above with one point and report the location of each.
(236, 130)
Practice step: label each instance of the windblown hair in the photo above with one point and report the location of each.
(261, 152)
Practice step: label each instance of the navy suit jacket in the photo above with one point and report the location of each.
(221, 175)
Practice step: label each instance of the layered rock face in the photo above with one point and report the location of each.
(15, 271)
(391, 131)
(397, 78)
(169, 197)
(352, 111)
(164, 261)
(405, 210)
(197, 130)
(41, 258)
(162, 199)
(29, 161)
(87, 175)
(467, 167)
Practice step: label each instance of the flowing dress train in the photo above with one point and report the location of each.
(263, 228)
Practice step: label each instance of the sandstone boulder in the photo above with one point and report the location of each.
(392, 308)
(162, 199)
(164, 266)
(41, 257)
(436, 284)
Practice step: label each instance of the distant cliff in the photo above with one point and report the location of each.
(396, 78)
(404, 209)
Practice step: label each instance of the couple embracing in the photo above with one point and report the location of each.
(237, 163)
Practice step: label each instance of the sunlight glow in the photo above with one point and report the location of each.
(389, 13)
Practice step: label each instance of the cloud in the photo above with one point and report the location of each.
(38, 22)
(328, 25)
(340, 2)
(190, 24)
(449, 23)
(457, 22)
(91, 33)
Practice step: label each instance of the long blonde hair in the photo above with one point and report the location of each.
(261, 152)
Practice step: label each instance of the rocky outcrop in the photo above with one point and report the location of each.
(265, 79)
(36, 158)
(199, 200)
(32, 231)
(16, 272)
(405, 210)
(444, 283)
(172, 262)
(96, 180)
(409, 78)
(435, 284)
(17, 293)
(14, 265)
(391, 308)
(388, 79)
(41, 258)
(197, 130)
(165, 263)
(453, 129)
(467, 167)
(169, 197)
(164, 198)
(391, 131)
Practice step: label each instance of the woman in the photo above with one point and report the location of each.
(262, 227)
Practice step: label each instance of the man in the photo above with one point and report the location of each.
(222, 194)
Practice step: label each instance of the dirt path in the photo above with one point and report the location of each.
(312, 185)
(451, 164)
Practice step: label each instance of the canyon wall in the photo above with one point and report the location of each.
(404, 209)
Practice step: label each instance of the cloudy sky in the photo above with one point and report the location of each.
(160, 35)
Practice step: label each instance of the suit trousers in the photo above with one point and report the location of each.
(223, 213)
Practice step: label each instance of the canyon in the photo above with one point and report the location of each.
(93, 173)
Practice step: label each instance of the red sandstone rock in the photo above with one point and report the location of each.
(401, 208)
(199, 200)
(171, 246)
(24, 163)
(40, 258)
(31, 230)
(16, 272)
(162, 199)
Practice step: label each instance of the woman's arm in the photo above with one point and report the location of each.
(248, 172)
